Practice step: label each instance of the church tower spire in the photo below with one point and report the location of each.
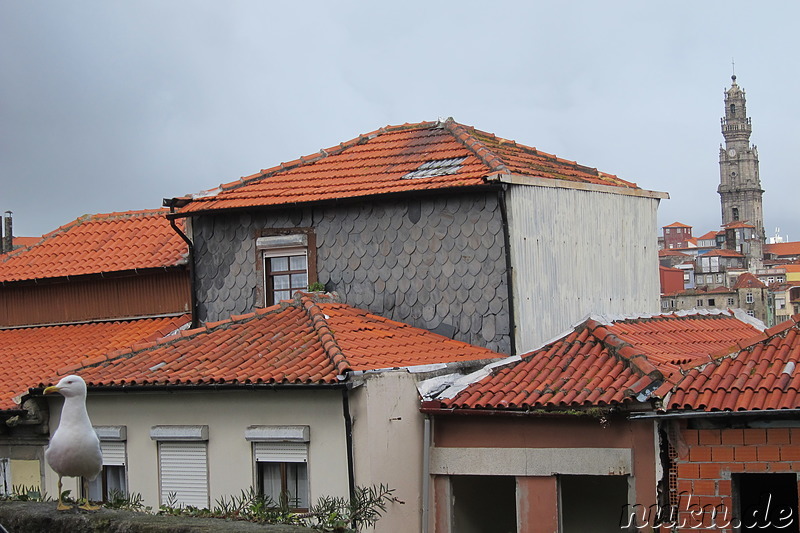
(740, 185)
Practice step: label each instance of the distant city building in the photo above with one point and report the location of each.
(740, 185)
(733, 267)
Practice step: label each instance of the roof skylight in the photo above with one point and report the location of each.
(437, 167)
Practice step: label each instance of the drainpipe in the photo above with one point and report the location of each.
(512, 326)
(426, 472)
(348, 431)
(170, 202)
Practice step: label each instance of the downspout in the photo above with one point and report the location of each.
(501, 196)
(426, 472)
(348, 431)
(192, 276)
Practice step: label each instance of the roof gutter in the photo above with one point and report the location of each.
(771, 413)
(438, 411)
(39, 391)
(172, 203)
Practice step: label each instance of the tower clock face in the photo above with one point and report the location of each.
(732, 152)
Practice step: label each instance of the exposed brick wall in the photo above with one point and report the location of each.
(707, 458)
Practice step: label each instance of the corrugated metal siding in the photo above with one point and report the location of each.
(183, 469)
(72, 301)
(578, 252)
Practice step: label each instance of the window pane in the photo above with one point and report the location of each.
(280, 282)
(282, 295)
(271, 480)
(116, 480)
(297, 481)
(279, 264)
(96, 488)
(300, 281)
(297, 262)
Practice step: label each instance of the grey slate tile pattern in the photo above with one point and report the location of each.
(436, 263)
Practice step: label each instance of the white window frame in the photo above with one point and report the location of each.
(749, 298)
(5, 476)
(281, 445)
(113, 445)
(182, 465)
(286, 244)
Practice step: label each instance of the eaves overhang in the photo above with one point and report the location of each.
(490, 185)
(535, 181)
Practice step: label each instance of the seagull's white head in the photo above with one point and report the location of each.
(69, 386)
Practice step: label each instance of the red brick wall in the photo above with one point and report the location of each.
(707, 457)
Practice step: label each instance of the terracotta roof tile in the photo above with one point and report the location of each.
(300, 341)
(762, 373)
(748, 281)
(389, 160)
(93, 244)
(721, 252)
(599, 365)
(32, 354)
(677, 225)
(783, 248)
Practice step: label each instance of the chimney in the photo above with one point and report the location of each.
(8, 235)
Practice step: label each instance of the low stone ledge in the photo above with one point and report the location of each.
(42, 517)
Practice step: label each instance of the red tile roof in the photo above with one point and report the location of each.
(757, 374)
(711, 235)
(671, 252)
(677, 225)
(601, 365)
(738, 224)
(384, 161)
(32, 354)
(721, 252)
(95, 244)
(783, 248)
(748, 281)
(303, 341)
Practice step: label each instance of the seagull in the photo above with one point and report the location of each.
(74, 449)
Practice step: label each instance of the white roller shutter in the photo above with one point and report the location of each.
(281, 452)
(183, 468)
(113, 453)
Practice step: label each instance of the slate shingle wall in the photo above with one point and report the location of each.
(436, 263)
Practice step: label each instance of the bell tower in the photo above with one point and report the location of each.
(740, 185)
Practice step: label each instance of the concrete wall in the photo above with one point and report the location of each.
(227, 414)
(388, 438)
(536, 451)
(432, 263)
(577, 252)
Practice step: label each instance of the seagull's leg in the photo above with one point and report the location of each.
(87, 505)
(61, 505)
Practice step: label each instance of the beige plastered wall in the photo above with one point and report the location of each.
(227, 414)
(387, 443)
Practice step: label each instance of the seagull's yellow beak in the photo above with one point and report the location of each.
(51, 390)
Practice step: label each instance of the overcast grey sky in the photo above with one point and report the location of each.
(111, 106)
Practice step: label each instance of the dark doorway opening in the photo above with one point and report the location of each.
(592, 503)
(484, 504)
(766, 502)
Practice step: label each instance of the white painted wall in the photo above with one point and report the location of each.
(578, 252)
(227, 414)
